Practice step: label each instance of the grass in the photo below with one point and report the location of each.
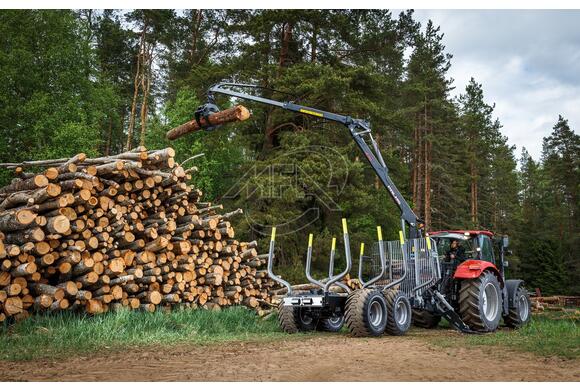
(68, 333)
(40, 336)
(546, 335)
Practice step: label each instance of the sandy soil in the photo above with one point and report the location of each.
(316, 358)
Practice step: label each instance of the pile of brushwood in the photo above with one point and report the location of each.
(124, 231)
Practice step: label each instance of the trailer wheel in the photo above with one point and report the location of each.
(519, 314)
(425, 319)
(399, 312)
(296, 319)
(366, 313)
(286, 319)
(480, 302)
(332, 324)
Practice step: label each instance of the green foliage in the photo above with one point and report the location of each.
(70, 333)
(50, 103)
(549, 238)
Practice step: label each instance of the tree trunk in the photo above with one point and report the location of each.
(313, 44)
(138, 75)
(145, 87)
(195, 35)
(284, 59)
(473, 173)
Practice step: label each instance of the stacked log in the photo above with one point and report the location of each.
(124, 231)
(555, 303)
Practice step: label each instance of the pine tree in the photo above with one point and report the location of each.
(427, 90)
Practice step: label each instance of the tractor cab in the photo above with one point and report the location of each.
(463, 254)
(459, 245)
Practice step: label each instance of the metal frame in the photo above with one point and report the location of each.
(315, 299)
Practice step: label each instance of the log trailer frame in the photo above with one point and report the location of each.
(408, 281)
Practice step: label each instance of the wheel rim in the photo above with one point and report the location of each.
(401, 313)
(336, 320)
(376, 313)
(490, 301)
(523, 307)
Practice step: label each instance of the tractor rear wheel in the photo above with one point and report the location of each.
(366, 313)
(480, 302)
(332, 324)
(399, 312)
(425, 319)
(296, 319)
(519, 314)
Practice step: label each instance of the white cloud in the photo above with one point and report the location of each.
(527, 61)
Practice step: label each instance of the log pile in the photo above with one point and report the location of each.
(555, 303)
(124, 231)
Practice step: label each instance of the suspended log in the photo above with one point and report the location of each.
(234, 114)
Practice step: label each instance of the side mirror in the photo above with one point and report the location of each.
(505, 241)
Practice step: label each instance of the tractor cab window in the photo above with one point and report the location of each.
(465, 247)
(454, 248)
(486, 249)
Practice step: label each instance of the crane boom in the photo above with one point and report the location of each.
(359, 130)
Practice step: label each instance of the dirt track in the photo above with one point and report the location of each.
(316, 358)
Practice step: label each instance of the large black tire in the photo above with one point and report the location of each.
(425, 319)
(399, 312)
(286, 319)
(520, 313)
(366, 313)
(332, 324)
(295, 319)
(480, 302)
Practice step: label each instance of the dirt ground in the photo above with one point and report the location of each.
(315, 358)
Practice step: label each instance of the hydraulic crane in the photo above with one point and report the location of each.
(359, 130)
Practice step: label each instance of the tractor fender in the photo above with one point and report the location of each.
(512, 286)
(472, 269)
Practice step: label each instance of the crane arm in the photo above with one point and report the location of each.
(360, 132)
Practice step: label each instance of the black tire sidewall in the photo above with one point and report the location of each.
(519, 292)
(425, 319)
(375, 296)
(405, 326)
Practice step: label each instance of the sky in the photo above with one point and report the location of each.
(527, 61)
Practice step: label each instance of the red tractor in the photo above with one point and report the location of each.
(473, 282)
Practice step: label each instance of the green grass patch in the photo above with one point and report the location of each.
(545, 335)
(68, 333)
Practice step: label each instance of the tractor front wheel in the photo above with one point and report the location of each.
(480, 302)
(519, 313)
(425, 319)
(366, 313)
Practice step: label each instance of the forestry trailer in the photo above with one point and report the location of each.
(412, 280)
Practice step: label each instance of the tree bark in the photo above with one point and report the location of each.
(234, 114)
